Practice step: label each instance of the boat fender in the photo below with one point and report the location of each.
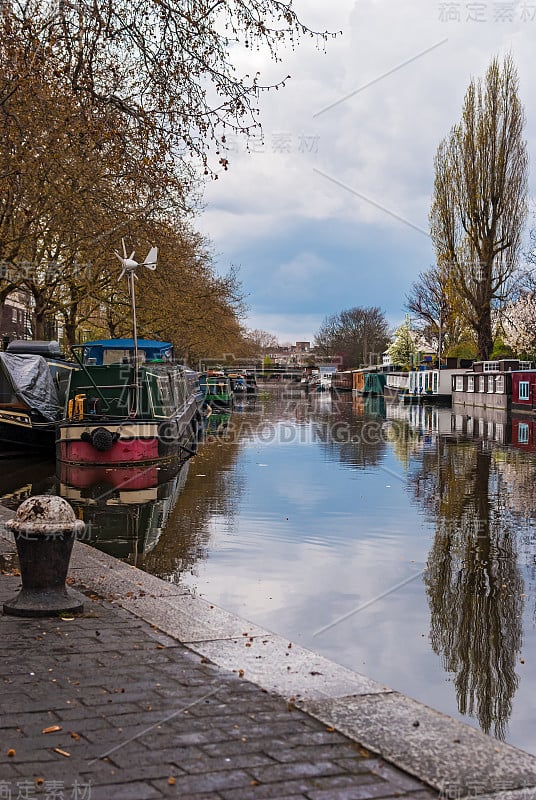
(101, 439)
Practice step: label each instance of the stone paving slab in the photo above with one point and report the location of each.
(286, 668)
(449, 753)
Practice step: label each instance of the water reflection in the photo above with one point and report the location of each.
(473, 581)
(125, 509)
(213, 489)
(22, 478)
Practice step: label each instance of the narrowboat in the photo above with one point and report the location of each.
(216, 389)
(128, 403)
(238, 382)
(33, 381)
(251, 383)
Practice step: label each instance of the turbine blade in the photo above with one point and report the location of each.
(124, 248)
(151, 259)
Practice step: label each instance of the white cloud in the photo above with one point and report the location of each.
(379, 142)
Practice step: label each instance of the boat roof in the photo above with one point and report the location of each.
(128, 344)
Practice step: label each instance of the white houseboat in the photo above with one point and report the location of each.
(425, 384)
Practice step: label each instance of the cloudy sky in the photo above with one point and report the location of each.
(331, 210)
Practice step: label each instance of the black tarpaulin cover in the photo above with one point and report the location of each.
(32, 383)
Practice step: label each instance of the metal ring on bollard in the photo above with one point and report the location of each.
(44, 529)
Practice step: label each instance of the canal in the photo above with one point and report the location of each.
(397, 541)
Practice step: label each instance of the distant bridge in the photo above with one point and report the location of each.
(287, 373)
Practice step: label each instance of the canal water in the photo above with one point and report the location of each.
(397, 541)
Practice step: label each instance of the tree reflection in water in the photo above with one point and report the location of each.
(473, 582)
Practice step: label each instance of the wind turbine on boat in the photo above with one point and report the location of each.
(129, 269)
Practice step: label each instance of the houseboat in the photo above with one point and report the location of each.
(427, 384)
(216, 389)
(129, 403)
(369, 381)
(524, 390)
(33, 382)
(341, 381)
(490, 384)
(396, 385)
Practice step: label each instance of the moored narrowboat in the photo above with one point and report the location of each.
(129, 403)
(33, 380)
(216, 389)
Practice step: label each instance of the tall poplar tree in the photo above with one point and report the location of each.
(479, 200)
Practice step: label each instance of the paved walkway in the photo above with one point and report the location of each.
(132, 713)
(108, 706)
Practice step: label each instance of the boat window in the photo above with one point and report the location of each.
(523, 433)
(499, 384)
(471, 383)
(523, 390)
(164, 391)
(491, 384)
(459, 383)
(481, 384)
(123, 356)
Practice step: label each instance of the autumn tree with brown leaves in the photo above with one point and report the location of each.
(169, 67)
(106, 109)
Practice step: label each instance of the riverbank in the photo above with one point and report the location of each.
(160, 693)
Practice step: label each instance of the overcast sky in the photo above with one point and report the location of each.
(331, 211)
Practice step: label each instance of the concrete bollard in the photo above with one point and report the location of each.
(44, 528)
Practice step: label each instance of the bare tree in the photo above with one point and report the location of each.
(357, 334)
(435, 309)
(261, 342)
(479, 201)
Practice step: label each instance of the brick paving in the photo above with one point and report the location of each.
(135, 715)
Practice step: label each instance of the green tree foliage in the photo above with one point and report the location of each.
(479, 200)
(358, 335)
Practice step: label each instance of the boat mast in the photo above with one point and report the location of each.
(129, 268)
(131, 276)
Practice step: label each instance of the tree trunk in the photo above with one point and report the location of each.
(69, 330)
(484, 335)
(39, 326)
